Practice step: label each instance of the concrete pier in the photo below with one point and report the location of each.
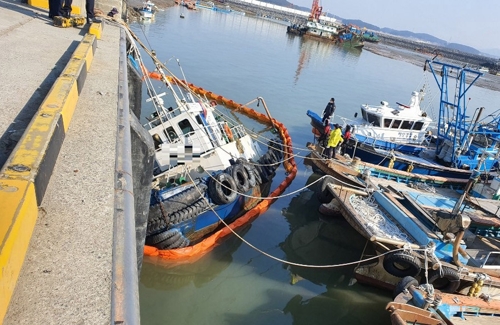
(58, 180)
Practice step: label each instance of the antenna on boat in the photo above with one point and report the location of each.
(184, 78)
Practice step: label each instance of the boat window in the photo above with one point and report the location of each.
(363, 112)
(493, 259)
(407, 125)
(373, 119)
(387, 122)
(418, 126)
(185, 126)
(396, 124)
(171, 134)
(198, 119)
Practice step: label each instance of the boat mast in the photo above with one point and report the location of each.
(455, 122)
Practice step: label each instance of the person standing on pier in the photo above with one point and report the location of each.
(89, 7)
(329, 110)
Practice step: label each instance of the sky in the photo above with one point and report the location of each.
(474, 23)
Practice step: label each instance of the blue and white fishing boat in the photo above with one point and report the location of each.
(401, 138)
(438, 243)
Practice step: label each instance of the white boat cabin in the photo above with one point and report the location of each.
(324, 31)
(404, 123)
(192, 135)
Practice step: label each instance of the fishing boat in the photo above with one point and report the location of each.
(431, 243)
(459, 145)
(148, 10)
(326, 28)
(210, 173)
(370, 37)
(414, 304)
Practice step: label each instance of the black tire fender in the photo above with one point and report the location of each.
(240, 176)
(324, 195)
(404, 284)
(155, 239)
(222, 189)
(402, 264)
(252, 180)
(448, 282)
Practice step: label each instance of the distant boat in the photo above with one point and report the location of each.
(315, 27)
(148, 10)
(371, 37)
(484, 70)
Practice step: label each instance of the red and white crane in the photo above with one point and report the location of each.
(316, 10)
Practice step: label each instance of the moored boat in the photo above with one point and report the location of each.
(400, 138)
(414, 304)
(148, 10)
(425, 242)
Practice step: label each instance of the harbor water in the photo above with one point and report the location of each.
(242, 58)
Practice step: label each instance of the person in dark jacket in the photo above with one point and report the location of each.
(329, 110)
(347, 136)
(323, 139)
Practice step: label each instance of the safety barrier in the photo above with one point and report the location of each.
(207, 244)
(26, 174)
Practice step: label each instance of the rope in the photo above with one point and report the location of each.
(282, 260)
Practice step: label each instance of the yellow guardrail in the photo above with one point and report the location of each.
(26, 174)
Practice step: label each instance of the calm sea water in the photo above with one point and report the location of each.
(242, 58)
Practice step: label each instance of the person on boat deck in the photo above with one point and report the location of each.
(329, 110)
(347, 136)
(334, 140)
(323, 138)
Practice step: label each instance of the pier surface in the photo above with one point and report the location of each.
(66, 274)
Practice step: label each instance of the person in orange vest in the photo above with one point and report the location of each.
(334, 140)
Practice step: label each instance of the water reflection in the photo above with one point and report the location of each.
(161, 274)
(320, 51)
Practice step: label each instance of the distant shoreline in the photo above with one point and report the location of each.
(395, 48)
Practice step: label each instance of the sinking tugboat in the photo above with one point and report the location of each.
(209, 172)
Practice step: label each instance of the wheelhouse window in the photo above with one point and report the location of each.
(198, 119)
(396, 124)
(373, 119)
(387, 123)
(185, 126)
(418, 126)
(407, 125)
(171, 134)
(363, 112)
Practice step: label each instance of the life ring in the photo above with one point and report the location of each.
(240, 176)
(228, 132)
(222, 189)
(448, 281)
(402, 264)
